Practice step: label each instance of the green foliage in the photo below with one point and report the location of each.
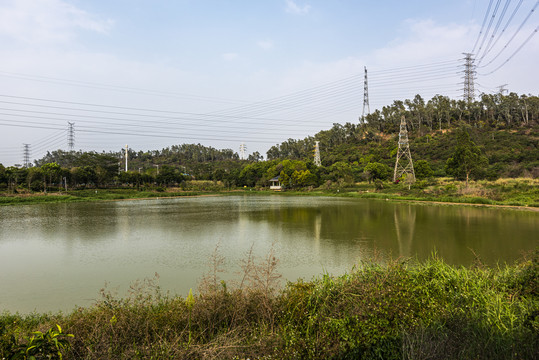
(467, 159)
(400, 310)
(48, 345)
(377, 170)
(504, 128)
(292, 174)
(422, 169)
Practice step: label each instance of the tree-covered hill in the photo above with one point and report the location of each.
(504, 129)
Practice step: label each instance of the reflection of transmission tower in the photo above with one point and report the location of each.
(243, 148)
(404, 164)
(365, 97)
(317, 161)
(26, 161)
(71, 136)
(405, 238)
(469, 77)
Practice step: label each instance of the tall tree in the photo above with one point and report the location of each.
(467, 159)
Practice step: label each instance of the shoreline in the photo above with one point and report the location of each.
(71, 198)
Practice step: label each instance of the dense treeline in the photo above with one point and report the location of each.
(502, 131)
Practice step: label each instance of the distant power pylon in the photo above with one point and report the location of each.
(404, 164)
(71, 136)
(126, 151)
(317, 161)
(243, 149)
(469, 77)
(365, 97)
(26, 161)
(502, 89)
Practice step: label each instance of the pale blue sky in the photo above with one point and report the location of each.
(227, 72)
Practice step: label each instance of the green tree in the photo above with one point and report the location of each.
(33, 178)
(422, 169)
(376, 170)
(341, 171)
(3, 177)
(51, 171)
(467, 159)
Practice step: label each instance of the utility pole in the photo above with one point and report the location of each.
(71, 136)
(317, 161)
(469, 77)
(404, 164)
(243, 148)
(126, 150)
(365, 97)
(26, 161)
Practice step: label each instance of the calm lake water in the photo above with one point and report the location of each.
(56, 256)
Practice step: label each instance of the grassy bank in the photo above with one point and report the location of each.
(505, 192)
(401, 310)
(508, 192)
(91, 195)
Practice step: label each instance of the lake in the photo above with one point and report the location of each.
(56, 256)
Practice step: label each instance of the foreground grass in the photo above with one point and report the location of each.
(400, 310)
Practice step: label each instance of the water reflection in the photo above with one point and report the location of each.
(59, 255)
(404, 226)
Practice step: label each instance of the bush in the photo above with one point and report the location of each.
(401, 310)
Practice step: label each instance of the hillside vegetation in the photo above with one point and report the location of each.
(501, 131)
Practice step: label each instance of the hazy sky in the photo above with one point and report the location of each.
(152, 74)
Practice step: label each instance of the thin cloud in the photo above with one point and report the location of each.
(293, 8)
(229, 56)
(265, 44)
(424, 39)
(47, 21)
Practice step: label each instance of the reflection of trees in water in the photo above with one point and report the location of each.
(404, 217)
(336, 226)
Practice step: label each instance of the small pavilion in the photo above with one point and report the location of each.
(276, 184)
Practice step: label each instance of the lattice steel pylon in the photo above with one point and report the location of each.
(26, 160)
(404, 164)
(469, 77)
(365, 97)
(317, 161)
(243, 149)
(71, 136)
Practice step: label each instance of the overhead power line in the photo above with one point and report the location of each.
(513, 54)
(495, 31)
(487, 51)
(482, 26)
(513, 37)
(489, 25)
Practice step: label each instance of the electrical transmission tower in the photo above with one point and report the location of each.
(317, 161)
(26, 161)
(469, 77)
(243, 149)
(404, 164)
(502, 89)
(126, 151)
(71, 136)
(365, 97)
